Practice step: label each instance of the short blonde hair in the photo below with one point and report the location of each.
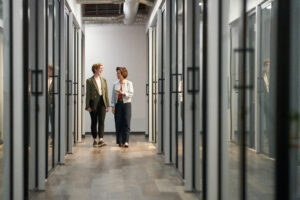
(96, 66)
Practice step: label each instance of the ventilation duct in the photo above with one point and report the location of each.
(130, 10)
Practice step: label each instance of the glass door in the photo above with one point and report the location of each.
(57, 75)
(174, 85)
(69, 80)
(154, 86)
(51, 82)
(250, 79)
(266, 77)
(235, 93)
(1, 102)
(161, 82)
(197, 91)
(295, 102)
(75, 85)
(180, 87)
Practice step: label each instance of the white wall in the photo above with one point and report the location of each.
(119, 45)
(236, 6)
(76, 9)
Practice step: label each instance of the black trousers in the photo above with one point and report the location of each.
(122, 121)
(98, 117)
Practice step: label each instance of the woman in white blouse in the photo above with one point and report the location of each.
(121, 106)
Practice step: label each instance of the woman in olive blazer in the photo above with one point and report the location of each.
(97, 103)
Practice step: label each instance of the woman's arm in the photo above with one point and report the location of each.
(113, 96)
(106, 94)
(88, 96)
(129, 92)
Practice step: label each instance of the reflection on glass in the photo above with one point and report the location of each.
(197, 78)
(180, 110)
(51, 88)
(234, 135)
(56, 73)
(295, 102)
(250, 69)
(260, 169)
(232, 61)
(266, 86)
(265, 75)
(1, 98)
(154, 86)
(67, 84)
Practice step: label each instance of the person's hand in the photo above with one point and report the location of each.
(90, 110)
(107, 109)
(113, 110)
(119, 91)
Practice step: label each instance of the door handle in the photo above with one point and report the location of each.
(193, 80)
(35, 77)
(147, 89)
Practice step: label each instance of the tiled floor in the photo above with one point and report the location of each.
(112, 172)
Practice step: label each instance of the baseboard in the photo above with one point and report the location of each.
(113, 133)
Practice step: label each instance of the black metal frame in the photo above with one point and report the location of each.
(283, 93)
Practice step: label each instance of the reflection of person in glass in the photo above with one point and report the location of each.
(180, 90)
(97, 103)
(50, 103)
(121, 106)
(266, 101)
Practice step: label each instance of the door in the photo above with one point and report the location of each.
(51, 84)
(154, 86)
(161, 79)
(266, 79)
(180, 87)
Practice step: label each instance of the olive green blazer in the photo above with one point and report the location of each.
(92, 93)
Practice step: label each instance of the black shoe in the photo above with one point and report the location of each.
(101, 144)
(121, 145)
(94, 144)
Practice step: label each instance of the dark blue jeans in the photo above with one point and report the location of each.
(122, 121)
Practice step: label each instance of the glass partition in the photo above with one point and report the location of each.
(1, 98)
(295, 102)
(51, 83)
(180, 86)
(266, 78)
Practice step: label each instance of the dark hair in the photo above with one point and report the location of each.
(123, 71)
(96, 66)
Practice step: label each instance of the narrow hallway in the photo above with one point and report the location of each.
(111, 172)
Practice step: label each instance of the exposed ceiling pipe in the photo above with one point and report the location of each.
(100, 1)
(130, 10)
(146, 2)
(140, 19)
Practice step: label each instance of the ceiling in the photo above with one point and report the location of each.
(111, 12)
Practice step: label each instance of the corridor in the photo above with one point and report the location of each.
(111, 172)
